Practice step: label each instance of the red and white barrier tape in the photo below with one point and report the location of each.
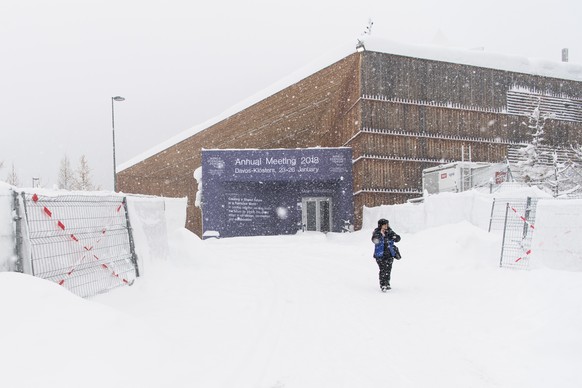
(522, 257)
(87, 248)
(523, 218)
(525, 221)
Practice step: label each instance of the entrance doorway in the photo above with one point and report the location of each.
(316, 214)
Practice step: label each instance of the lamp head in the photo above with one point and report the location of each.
(118, 98)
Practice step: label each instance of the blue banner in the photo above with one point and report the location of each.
(262, 192)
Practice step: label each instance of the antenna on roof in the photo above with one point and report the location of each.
(368, 31)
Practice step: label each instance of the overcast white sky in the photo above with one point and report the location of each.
(180, 63)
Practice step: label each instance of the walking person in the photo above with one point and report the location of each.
(385, 251)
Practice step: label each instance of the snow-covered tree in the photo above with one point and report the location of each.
(572, 173)
(12, 178)
(558, 181)
(83, 180)
(533, 171)
(569, 179)
(66, 175)
(541, 165)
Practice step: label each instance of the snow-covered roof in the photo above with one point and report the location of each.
(518, 64)
(490, 60)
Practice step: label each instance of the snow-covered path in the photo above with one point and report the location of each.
(305, 311)
(302, 311)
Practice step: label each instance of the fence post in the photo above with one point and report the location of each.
(29, 265)
(17, 218)
(130, 236)
(491, 215)
(526, 216)
(503, 240)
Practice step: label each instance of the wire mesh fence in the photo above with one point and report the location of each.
(497, 219)
(516, 218)
(81, 242)
(7, 238)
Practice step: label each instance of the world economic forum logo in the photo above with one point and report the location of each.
(217, 165)
(338, 159)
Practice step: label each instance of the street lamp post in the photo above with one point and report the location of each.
(113, 99)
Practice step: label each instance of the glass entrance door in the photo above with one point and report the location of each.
(316, 214)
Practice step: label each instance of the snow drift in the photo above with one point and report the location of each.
(306, 311)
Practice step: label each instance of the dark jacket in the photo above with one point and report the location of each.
(384, 247)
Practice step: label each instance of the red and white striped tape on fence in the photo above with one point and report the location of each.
(526, 254)
(523, 218)
(87, 248)
(525, 221)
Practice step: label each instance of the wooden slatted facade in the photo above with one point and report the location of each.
(399, 114)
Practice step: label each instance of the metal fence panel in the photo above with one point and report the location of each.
(518, 227)
(82, 242)
(497, 220)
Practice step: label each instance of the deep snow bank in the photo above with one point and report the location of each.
(558, 224)
(557, 240)
(150, 217)
(446, 208)
(53, 338)
(7, 257)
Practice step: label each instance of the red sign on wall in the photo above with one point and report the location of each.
(500, 177)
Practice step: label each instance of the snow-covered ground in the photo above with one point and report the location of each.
(303, 311)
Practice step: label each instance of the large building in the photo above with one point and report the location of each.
(400, 109)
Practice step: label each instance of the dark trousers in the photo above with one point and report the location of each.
(385, 266)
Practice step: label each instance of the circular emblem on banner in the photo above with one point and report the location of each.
(216, 162)
(338, 159)
(217, 165)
